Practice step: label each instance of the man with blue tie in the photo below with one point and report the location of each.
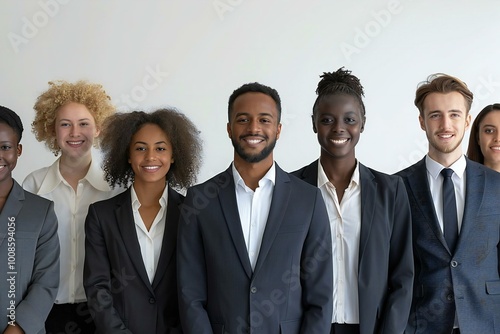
(456, 220)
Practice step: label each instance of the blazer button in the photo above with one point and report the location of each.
(454, 263)
(253, 289)
(152, 300)
(449, 297)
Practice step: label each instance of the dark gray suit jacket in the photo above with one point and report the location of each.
(385, 277)
(120, 297)
(290, 290)
(467, 281)
(31, 224)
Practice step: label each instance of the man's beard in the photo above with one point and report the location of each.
(254, 158)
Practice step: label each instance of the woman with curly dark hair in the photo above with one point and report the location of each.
(484, 139)
(130, 263)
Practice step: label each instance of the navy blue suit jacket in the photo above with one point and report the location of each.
(467, 281)
(290, 290)
(119, 295)
(385, 277)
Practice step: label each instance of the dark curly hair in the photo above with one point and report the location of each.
(339, 82)
(474, 150)
(185, 138)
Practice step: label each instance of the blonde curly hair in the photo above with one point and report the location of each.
(60, 93)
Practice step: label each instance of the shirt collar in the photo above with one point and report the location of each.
(323, 179)
(434, 168)
(53, 177)
(269, 176)
(135, 200)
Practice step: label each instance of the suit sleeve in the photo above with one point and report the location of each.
(33, 310)
(317, 273)
(401, 268)
(97, 278)
(192, 277)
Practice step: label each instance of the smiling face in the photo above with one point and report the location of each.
(445, 119)
(254, 127)
(150, 154)
(10, 150)
(489, 139)
(75, 130)
(338, 122)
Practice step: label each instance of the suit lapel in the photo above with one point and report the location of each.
(229, 207)
(419, 185)
(475, 185)
(11, 208)
(169, 235)
(279, 204)
(310, 173)
(126, 225)
(368, 198)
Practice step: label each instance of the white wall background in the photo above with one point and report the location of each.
(193, 54)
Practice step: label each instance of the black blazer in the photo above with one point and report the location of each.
(469, 277)
(385, 277)
(120, 297)
(290, 290)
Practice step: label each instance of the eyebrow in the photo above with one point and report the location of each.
(68, 120)
(247, 114)
(144, 143)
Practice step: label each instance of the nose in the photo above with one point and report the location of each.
(74, 131)
(253, 126)
(150, 155)
(337, 127)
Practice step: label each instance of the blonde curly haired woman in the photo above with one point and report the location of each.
(69, 118)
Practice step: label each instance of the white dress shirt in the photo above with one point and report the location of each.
(253, 208)
(150, 241)
(345, 224)
(436, 187)
(71, 210)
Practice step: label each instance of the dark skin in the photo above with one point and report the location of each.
(338, 122)
(253, 125)
(10, 150)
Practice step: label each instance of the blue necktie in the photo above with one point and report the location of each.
(450, 221)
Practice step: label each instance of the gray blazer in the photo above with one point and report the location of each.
(36, 259)
(468, 281)
(290, 290)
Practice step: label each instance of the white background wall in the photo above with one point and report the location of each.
(193, 54)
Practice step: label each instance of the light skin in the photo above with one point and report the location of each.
(10, 150)
(253, 128)
(75, 131)
(150, 156)
(445, 120)
(338, 122)
(489, 139)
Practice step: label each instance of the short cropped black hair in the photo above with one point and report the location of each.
(254, 87)
(10, 118)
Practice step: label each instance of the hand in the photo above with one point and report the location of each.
(13, 329)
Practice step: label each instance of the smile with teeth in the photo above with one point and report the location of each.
(151, 168)
(339, 141)
(75, 142)
(495, 148)
(253, 141)
(446, 135)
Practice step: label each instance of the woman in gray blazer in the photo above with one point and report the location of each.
(29, 246)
